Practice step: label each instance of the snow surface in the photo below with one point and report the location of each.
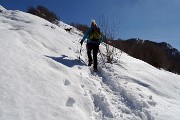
(2, 8)
(41, 78)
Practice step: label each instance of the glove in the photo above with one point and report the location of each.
(81, 42)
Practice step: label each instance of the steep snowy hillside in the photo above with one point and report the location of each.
(42, 79)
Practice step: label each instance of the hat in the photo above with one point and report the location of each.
(93, 23)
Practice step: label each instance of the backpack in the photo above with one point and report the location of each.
(95, 34)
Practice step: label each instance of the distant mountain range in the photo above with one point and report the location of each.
(160, 55)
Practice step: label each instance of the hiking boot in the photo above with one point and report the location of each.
(95, 69)
(90, 63)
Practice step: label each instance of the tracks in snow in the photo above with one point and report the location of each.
(113, 101)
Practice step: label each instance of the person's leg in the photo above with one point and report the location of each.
(89, 49)
(95, 52)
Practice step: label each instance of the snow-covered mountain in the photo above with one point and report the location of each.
(41, 78)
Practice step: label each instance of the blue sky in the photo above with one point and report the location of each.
(156, 20)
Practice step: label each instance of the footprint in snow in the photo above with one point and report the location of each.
(79, 67)
(67, 82)
(82, 86)
(85, 93)
(70, 102)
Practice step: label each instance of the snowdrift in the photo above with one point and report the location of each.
(41, 78)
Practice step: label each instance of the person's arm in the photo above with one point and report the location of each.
(85, 35)
(100, 39)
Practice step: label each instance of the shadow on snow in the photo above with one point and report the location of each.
(65, 60)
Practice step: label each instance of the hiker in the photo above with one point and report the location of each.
(94, 39)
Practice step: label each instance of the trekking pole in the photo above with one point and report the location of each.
(80, 52)
(102, 59)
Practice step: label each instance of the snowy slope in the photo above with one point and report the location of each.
(42, 79)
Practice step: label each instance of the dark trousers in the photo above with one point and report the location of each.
(95, 49)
